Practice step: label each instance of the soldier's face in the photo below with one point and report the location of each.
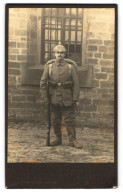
(59, 55)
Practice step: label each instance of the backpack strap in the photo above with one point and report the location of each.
(70, 68)
(50, 69)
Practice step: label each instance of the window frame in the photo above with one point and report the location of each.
(40, 34)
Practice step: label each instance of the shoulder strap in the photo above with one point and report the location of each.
(70, 67)
(50, 69)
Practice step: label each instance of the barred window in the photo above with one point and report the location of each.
(64, 25)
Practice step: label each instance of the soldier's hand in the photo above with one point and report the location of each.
(77, 104)
(45, 100)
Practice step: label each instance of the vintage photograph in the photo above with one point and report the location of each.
(61, 84)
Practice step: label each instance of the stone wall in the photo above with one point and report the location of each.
(96, 103)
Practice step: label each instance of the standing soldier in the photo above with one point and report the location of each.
(63, 92)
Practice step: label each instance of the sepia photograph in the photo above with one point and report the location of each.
(61, 84)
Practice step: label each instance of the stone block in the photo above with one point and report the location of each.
(92, 47)
(97, 55)
(106, 62)
(12, 80)
(32, 98)
(12, 44)
(21, 58)
(95, 83)
(103, 49)
(13, 71)
(85, 101)
(94, 41)
(111, 50)
(101, 75)
(107, 84)
(22, 44)
(33, 17)
(20, 32)
(109, 42)
(103, 103)
(13, 51)
(90, 108)
(93, 121)
(106, 110)
(112, 36)
(19, 98)
(111, 90)
(109, 122)
(108, 56)
(26, 105)
(108, 69)
(89, 54)
(14, 65)
(92, 61)
(108, 96)
(103, 90)
(104, 115)
(24, 51)
(12, 57)
(85, 114)
(96, 68)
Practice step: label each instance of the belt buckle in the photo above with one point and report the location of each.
(59, 84)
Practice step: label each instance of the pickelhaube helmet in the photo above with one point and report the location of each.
(59, 48)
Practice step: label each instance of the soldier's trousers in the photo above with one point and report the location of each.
(68, 113)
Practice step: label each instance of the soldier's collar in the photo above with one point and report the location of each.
(60, 63)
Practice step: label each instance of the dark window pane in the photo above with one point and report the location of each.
(46, 47)
(78, 48)
(46, 56)
(68, 30)
(72, 48)
(52, 46)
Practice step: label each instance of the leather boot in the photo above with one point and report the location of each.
(74, 143)
(56, 142)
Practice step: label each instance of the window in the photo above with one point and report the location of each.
(54, 25)
(64, 25)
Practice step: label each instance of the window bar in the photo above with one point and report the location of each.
(50, 31)
(57, 24)
(69, 34)
(62, 28)
(81, 37)
(43, 33)
(76, 30)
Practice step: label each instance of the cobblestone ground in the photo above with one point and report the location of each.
(27, 143)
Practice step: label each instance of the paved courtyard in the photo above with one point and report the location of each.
(27, 143)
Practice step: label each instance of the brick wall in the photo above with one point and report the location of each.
(96, 103)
